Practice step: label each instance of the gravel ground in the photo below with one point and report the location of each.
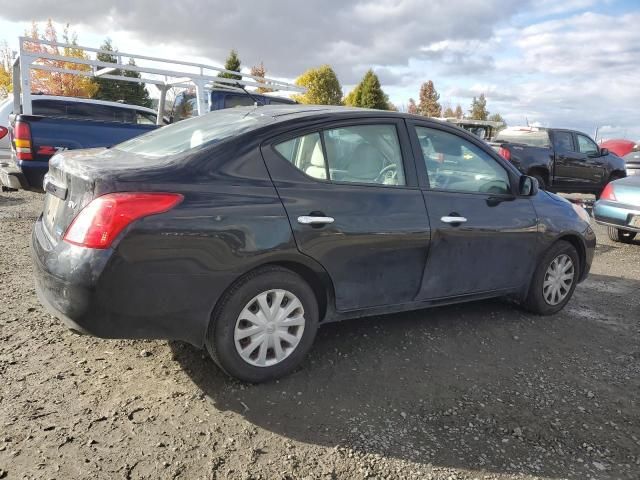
(476, 391)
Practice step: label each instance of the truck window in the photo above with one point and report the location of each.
(586, 145)
(144, 118)
(563, 141)
(49, 108)
(231, 101)
(531, 138)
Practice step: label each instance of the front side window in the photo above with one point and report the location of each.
(454, 163)
(586, 145)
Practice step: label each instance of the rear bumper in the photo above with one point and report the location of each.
(96, 292)
(25, 175)
(617, 215)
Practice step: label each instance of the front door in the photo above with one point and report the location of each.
(578, 164)
(483, 236)
(351, 195)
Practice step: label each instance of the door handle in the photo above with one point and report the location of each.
(453, 219)
(314, 220)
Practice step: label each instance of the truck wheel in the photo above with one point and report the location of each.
(554, 281)
(264, 325)
(541, 183)
(619, 235)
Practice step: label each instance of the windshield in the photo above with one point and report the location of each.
(532, 138)
(211, 128)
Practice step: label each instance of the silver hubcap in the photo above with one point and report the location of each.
(269, 328)
(558, 279)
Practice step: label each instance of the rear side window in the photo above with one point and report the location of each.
(231, 101)
(192, 133)
(305, 153)
(83, 111)
(563, 141)
(531, 138)
(355, 154)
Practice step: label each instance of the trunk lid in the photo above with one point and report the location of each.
(76, 177)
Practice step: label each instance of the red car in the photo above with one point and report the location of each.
(619, 146)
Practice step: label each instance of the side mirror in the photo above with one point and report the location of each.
(604, 152)
(528, 186)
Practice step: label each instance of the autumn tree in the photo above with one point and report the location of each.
(368, 93)
(56, 83)
(233, 64)
(448, 113)
(428, 105)
(412, 108)
(323, 87)
(133, 93)
(6, 57)
(496, 117)
(260, 71)
(478, 110)
(459, 113)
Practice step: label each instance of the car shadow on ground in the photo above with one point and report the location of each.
(482, 386)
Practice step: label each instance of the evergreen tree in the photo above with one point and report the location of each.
(496, 117)
(260, 71)
(368, 93)
(459, 114)
(478, 109)
(429, 106)
(323, 87)
(448, 113)
(412, 108)
(120, 90)
(233, 64)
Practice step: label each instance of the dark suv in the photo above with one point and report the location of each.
(245, 229)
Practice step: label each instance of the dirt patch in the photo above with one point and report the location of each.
(475, 391)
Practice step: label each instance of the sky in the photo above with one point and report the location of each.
(556, 63)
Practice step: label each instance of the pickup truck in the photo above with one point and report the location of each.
(561, 160)
(64, 123)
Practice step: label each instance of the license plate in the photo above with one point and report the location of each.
(635, 221)
(51, 206)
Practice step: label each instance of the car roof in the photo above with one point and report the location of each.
(298, 111)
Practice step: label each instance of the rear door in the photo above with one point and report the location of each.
(483, 236)
(350, 191)
(578, 165)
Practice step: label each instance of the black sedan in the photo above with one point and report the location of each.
(244, 230)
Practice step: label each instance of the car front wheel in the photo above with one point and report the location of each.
(264, 325)
(555, 280)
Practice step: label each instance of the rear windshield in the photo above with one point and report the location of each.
(211, 128)
(535, 138)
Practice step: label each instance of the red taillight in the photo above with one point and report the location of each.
(99, 223)
(3, 132)
(22, 141)
(607, 193)
(505, 153)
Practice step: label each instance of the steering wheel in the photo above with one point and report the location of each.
(390, 172)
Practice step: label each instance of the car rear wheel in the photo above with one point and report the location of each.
(555, 280)
(619, 235)
(264, 325)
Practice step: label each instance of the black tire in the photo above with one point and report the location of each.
(220, 340)
(619, 235)
(535, 301)
(542, 185)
